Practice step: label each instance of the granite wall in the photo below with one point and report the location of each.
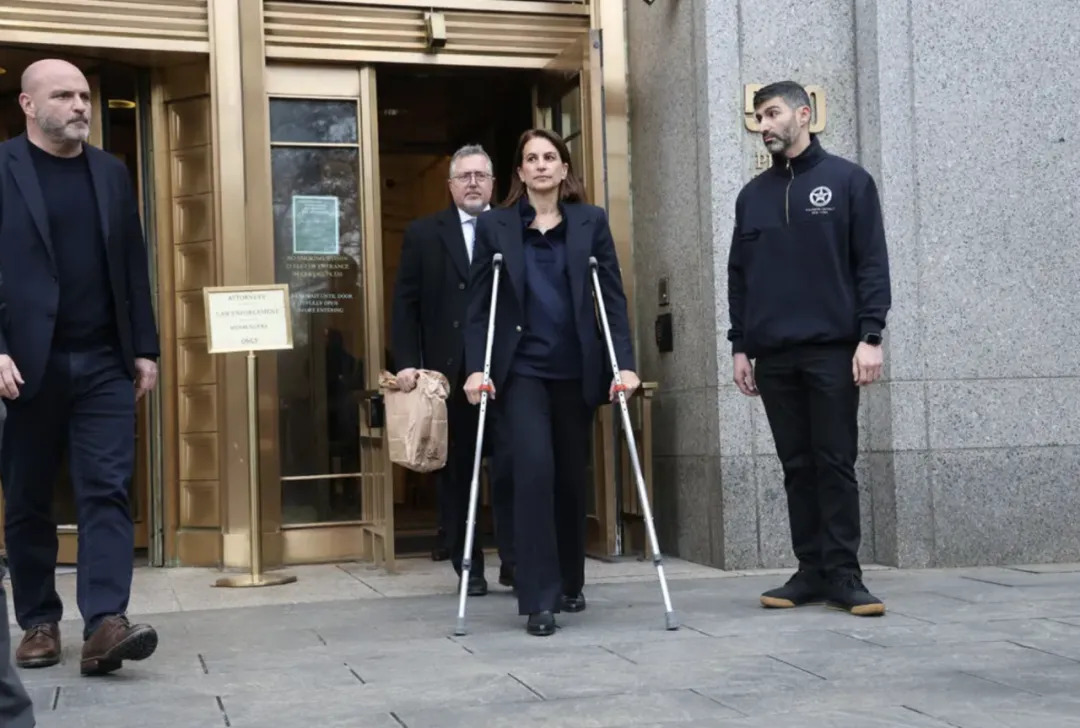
(670, 170)
(969, 450)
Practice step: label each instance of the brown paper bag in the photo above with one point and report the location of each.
(416, 425)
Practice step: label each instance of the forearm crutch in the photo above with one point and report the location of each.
(643, 495)
(474, 487)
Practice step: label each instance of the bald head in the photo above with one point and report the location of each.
(40, 72)
(56, 100)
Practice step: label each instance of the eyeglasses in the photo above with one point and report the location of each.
(466, 177)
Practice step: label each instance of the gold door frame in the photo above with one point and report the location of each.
(372, 536)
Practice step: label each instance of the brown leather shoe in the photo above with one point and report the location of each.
(40, 646)
(115, 640)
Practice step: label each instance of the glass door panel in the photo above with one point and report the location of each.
(569, 101)
(327, 241)
(318, 244)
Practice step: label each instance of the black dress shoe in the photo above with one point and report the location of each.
(573, 604)
(506, 575)
(541, 624)
(478, 586)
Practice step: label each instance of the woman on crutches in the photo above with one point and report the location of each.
(549, 367)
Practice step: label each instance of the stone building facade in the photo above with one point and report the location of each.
(970, 447)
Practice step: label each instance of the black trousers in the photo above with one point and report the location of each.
(86, 405)
(812, 405)
(548, 423)
(455, 481)
(501, 476)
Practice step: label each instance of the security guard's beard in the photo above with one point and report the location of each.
(782, 140)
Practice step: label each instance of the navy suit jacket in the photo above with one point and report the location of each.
(430, 296)
(587, 235)
(29, 290)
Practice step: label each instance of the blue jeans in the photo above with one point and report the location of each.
(86, 406)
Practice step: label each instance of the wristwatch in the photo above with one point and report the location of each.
(872, 339)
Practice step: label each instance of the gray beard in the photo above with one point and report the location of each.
(64, 132)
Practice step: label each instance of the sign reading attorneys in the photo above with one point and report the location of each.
(247, 318)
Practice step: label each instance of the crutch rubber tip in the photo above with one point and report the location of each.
(672, 621)
(460, 630)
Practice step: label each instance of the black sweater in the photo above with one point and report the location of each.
(808, 262)
(86, 317)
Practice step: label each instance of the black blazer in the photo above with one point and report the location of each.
(587, 234)
(29, 291)
(431, 295)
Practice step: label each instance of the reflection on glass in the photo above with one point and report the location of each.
(567, 113)
(306, 121)
(318, 239)
(576, 162)
(321, 501)
(570, 113)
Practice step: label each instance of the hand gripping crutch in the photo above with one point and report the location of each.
(474, 488)
(643, 495)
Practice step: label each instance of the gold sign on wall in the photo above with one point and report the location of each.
(818, 107)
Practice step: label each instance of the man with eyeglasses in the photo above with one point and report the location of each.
(427, 332)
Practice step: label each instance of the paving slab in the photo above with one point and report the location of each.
(966, 648)
(608, 711)
(1029, 712)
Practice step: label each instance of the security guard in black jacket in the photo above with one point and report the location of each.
(808, 291)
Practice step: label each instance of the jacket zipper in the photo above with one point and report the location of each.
(787, 194)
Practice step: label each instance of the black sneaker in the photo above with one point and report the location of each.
(805, 587)
(848, 593)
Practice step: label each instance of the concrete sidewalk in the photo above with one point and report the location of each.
(969, 648)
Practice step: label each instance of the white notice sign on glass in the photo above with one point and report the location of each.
(247, 318)
(315, 224)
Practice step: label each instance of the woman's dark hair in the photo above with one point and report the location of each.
(570, 189)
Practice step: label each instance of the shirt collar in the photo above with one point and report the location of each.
(466, 217)
(528, 212)
(806, 159)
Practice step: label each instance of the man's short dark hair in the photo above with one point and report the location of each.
(793, 94)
